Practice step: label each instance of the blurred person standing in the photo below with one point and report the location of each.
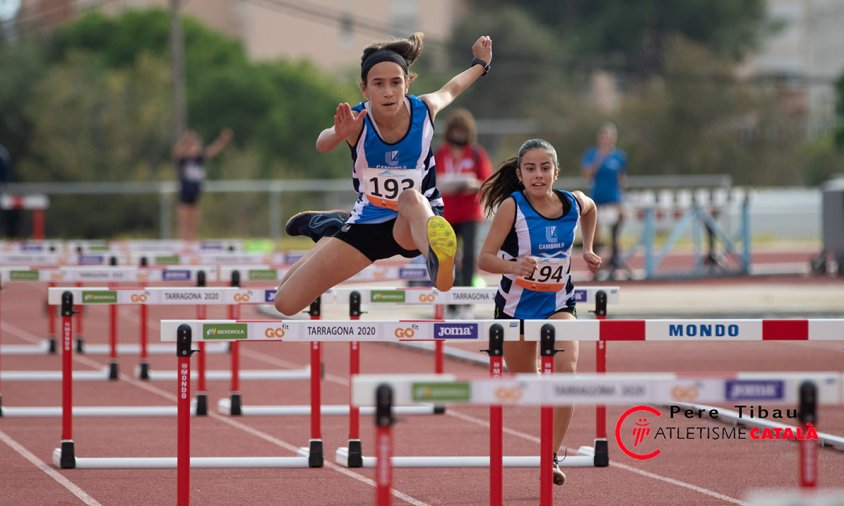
(190, 157)
(605, 168)
(462, 166)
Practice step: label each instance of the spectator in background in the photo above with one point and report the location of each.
(11, 217)
(462, 166)
(190, 157)
(605, 167)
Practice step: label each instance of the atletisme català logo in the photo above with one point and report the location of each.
(641, 430)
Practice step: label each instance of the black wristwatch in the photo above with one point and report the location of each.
(478, 61)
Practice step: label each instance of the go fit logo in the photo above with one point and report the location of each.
(139, 298)
(275, 332)
(427, 297)
(406, 332)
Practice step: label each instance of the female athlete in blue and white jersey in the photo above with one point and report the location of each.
(530, 243)
(398, 206)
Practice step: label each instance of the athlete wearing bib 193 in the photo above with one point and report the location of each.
(549, 289)
(381, 172)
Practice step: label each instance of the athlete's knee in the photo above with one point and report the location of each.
(286, 305)
(410, 199)
(566, 365)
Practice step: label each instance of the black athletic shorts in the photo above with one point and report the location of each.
(374, 240)
(501, 315)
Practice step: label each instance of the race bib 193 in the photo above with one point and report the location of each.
(549, 275)
(383, 186)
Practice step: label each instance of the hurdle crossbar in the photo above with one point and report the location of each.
(684, 330)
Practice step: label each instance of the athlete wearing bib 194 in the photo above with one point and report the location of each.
(530, 244)
(549, 288)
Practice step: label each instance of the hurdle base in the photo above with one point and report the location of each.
(65, 457)
(1, 405)
(92, 411)
(201, 404)
(429, 461)
(355, 454)
(439, 410)
(51, 345)
(300, 462)
(315, 457)
(234, 405)
(602, 453)
(143, 371)
(224, 407)
(113, 373)
(250, 374)
(96, 375)
(80, 344)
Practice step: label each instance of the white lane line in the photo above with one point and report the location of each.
(49, 471)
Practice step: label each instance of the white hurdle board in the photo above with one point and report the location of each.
(336, 330)
(685, 330)
(606, 389)
(455, 296)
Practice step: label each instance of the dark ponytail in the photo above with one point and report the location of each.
(504, 182)
(500, 185)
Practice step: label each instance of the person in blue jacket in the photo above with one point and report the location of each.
(605, 168)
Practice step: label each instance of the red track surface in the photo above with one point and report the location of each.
(687, 472)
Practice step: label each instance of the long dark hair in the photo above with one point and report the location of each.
(504, 181)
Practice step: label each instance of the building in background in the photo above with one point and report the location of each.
(331, 33)
(806, 52)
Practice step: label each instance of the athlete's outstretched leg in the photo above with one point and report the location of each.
(333, 262)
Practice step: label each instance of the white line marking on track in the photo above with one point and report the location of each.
(49, 471)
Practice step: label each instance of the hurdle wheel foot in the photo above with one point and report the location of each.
(68, 456)
(112, 371)
(439, 410)
(80, 345)
(144, 371)
(602, 454)
(51, 347)
(235, 408)
(315, 457)
(201, 404)
(355, 457)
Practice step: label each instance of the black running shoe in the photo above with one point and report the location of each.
(559, 475)
(317, 224)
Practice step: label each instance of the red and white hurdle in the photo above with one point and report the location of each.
(383, 391)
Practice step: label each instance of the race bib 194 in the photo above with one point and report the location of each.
(549, 275)
(383, 186)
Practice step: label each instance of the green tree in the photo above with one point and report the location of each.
(634, 36)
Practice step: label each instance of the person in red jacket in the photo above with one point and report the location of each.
(462, 166)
